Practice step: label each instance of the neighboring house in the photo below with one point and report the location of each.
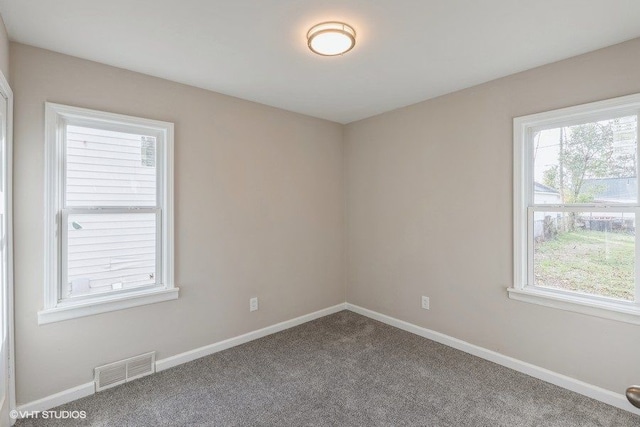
(613, 191)
(544, 195)
(118, 250)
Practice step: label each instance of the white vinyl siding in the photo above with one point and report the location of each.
(107, 168)
(107, 250)
(109, 216)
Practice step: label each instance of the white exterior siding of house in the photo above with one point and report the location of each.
(114, 250)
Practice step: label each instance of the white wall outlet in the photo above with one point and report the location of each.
(253, 304)
(425, 302)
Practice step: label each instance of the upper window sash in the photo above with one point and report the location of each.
(160, 139)
(526, 127)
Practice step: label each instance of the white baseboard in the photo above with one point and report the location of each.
(88, 389)
(580, 387)
(589, 390)
(197, 353)
(58, 399)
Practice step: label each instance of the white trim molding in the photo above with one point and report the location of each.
(525, 207)
(57, 399)
(7, 93)
(88, 389)
(572, 384)
(113, 302)
(629, 313)
(57, 306)
(188, 356)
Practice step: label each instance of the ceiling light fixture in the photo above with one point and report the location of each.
(331, 38)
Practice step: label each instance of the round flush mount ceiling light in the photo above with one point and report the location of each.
(331, 38)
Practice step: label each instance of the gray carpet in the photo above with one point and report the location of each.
(341, 370)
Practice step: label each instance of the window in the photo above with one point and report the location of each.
(108, 212)
(576, 209)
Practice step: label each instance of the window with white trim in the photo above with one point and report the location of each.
(576, 209)
(108, 212)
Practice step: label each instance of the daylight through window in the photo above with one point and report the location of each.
(110, 213)
(576, 207)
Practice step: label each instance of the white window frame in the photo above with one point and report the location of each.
(56, 308)
(523, 207)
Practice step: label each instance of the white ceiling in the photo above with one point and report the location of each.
(407, 50)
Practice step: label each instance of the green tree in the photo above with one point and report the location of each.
(586, 152)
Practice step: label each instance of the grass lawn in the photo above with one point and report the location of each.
(592, 262)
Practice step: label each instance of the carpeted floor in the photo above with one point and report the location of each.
(341, 370)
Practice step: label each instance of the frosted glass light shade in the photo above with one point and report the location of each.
(331, 38)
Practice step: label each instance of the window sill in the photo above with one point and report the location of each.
(629, 313)
(66, 311)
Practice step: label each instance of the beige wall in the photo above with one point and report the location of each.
(4, 50)
(259, 212)
(429, 204)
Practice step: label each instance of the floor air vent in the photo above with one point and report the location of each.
(120, 372)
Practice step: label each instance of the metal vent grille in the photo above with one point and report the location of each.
(110, 376)
(140, 366)
(117, 373)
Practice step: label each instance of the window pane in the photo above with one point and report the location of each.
(107, 168)
(587, 252)
(590, 162)
(110, 252)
